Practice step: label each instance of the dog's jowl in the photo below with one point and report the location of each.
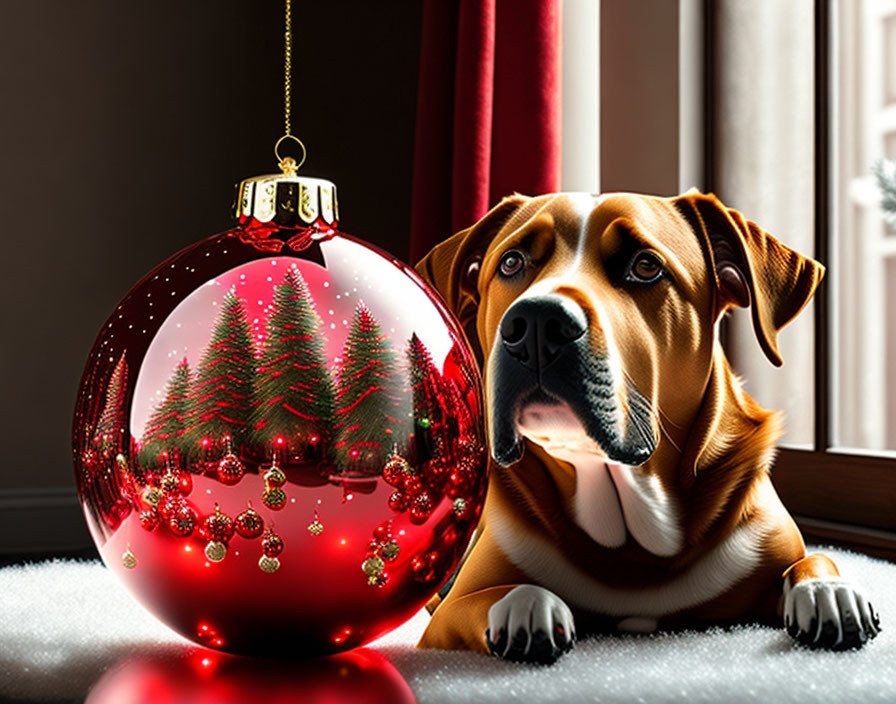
(630, 485)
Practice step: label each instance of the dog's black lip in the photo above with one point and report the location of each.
(517, 387)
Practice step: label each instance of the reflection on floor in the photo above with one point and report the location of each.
(360, 676)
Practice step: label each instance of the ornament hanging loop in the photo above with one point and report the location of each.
(288, 165)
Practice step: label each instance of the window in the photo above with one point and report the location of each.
(837, 474)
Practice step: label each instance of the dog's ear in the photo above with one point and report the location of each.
(452, 267)
(751, 268)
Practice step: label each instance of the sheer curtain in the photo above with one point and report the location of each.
(763, 164)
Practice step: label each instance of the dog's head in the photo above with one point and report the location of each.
(595, 316)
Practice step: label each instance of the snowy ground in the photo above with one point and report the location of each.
(63, 624)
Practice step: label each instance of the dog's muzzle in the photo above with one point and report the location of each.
(543, 355)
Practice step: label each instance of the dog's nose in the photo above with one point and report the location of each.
(534, 330)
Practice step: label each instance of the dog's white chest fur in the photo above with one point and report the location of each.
(611, 500)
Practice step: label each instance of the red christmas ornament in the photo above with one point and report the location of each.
(249, 524)
(421, 508)
(149, 519)
(294, 341)
(182, 521)
(169, 504)
(219, 526)
(396, 469)
(272, 544)
(383, 531)
(230, 469)
(398, 501)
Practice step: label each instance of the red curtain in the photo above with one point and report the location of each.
(488, 111)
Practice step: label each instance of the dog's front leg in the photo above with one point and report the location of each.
(822, 610)
(491, 609)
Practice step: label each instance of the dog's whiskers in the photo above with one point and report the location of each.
(655, 412)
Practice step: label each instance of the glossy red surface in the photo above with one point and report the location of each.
(183, 412)
(202, 677)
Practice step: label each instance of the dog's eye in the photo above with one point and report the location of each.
(645, 268)
(511, 263)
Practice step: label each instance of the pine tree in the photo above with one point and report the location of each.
(368, 399)
(167, 426)
(222, 394)
(294, 391)
(424, 379)
(109, 433)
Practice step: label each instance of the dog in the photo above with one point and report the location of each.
(629, 488)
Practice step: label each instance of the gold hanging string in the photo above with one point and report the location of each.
(287, 70)
(288, 165)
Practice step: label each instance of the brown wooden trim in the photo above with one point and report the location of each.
(878, 543)
(835, 486)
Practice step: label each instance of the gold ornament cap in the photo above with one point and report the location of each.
(286, 200)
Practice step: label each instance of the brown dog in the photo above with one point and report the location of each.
(631, 487)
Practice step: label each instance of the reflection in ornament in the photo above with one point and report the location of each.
(390, 550)
(269, 564)
(149, 519)
(169, 483)
(152, 495)
(373, 567)
(274, 498)
(249, 524)
(230, 469)
(315, 527)
(215, 551)
(182, 519)
(274, 477)
(272, 544)
(219, 529)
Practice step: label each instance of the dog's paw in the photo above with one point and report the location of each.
(530, 624)
(830, 613)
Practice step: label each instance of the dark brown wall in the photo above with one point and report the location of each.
(123, 127)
